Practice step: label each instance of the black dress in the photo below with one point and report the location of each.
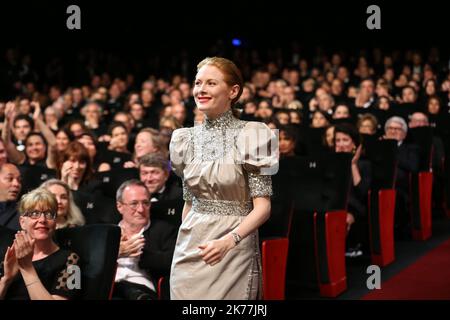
(54, 273)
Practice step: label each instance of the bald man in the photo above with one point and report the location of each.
(10, 187)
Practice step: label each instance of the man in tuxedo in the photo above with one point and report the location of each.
(407, 164)
(10, 187)
(146, 246)
(154, 173)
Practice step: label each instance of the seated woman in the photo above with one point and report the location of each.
(74, 166)
(62, 139)
(88, 140)
(69, 215)
(36, 151)
(367, 124)
(119, 138)
(346, 139)
(148, 140)
(287, 141)
(34, 267)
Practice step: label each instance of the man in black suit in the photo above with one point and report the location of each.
(166, 193)
(10, 187)
(154, 173)
(407, 164)
(146, 246)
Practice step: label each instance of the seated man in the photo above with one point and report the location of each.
(154, 173)
(407, 163)
(10, 187)
(166, 193)
(146, 246)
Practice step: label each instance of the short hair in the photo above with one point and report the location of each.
(129, 183)
(154, 160)
(397, 119)
(117, 124)
(30, 200)
(24, 117)
(350, 130)
(289, 132)
(66, 131)
(74, 215)
(370, 117)
(409, 87)
(88, 134)
(35, 133)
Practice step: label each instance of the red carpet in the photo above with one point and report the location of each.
(427, 278)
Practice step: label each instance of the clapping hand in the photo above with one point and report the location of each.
(24, 248)
(131, 246)
(10, 265)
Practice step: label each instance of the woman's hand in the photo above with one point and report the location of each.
(357, 155)
(214, 251)
(10, 265)
(129, 164)
(65, 170)
(113, 143)
(10, 111)
(350, 220)
(37, 110)
(24, 248)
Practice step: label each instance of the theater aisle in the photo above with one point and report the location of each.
(427, 278)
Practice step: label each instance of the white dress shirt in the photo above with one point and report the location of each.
(128, 268)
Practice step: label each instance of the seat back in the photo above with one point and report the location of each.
(98, 248)
(111, 180)
(34, 176)
(316, 185)
(382, 155)
(168, 210)
(319, 183)
(423, 137)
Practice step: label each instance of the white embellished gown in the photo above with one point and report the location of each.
(223, 165)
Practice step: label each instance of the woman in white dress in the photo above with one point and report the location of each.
(225, 165)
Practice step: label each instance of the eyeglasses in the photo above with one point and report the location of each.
(135, 204)
(49, 215)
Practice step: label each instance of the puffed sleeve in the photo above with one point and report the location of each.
(180, 153)
(258, 148)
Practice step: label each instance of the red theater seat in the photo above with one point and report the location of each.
(274, 258)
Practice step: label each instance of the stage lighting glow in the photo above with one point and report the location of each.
(236, 42)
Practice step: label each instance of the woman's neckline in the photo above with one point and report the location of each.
(221, 121)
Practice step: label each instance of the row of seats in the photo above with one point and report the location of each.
(303, 243)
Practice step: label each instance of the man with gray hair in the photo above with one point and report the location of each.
(146, 246)
(407, 163)
(396, 128)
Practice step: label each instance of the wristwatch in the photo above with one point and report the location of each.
(236, 237)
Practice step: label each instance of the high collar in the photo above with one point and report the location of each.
(222, 121)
